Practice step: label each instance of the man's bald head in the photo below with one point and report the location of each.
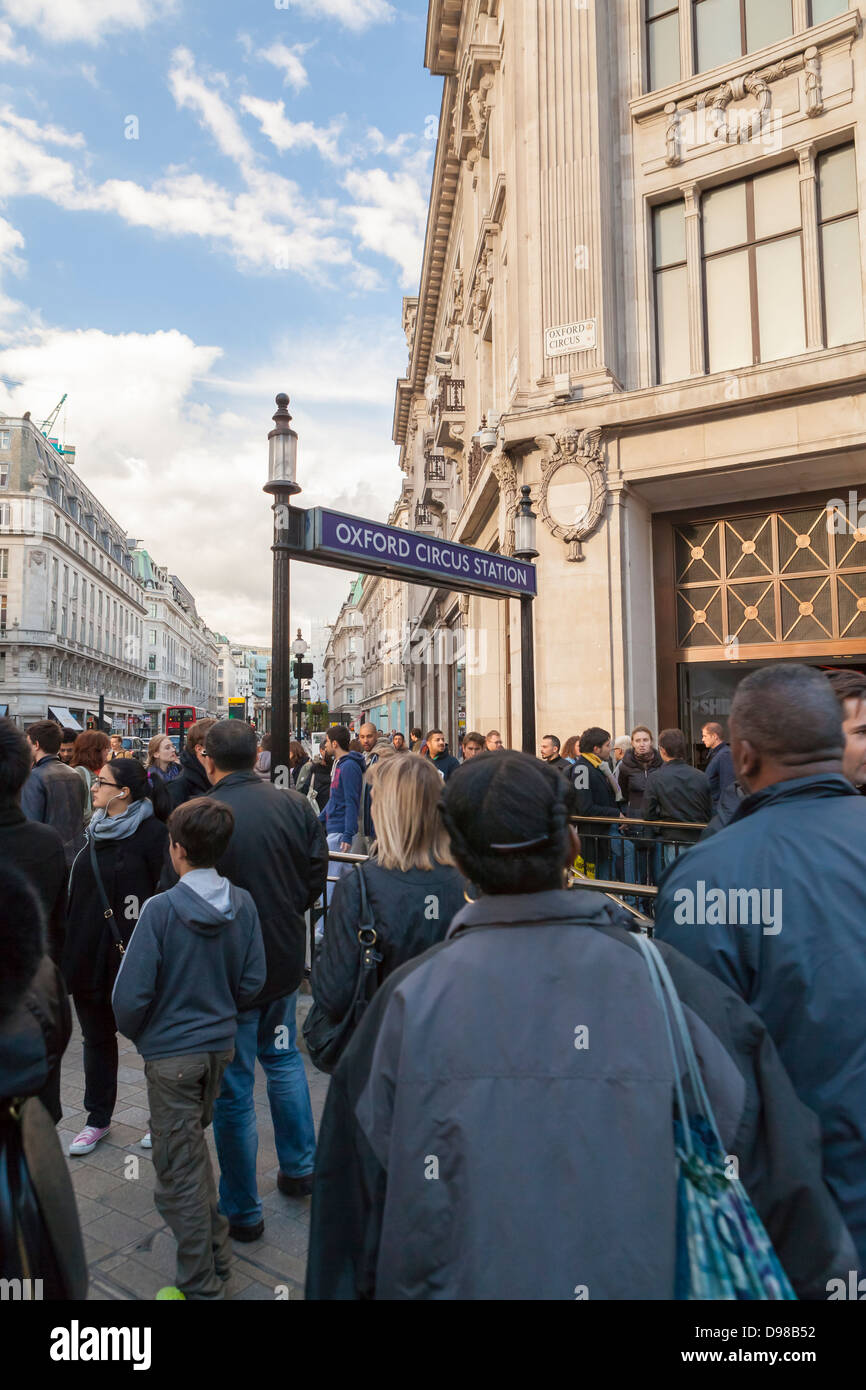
(785, 723)
(367, 735)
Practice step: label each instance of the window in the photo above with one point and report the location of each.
(63, 622)
(151, 637)
(5, 439)
(4, 564)
(151, 690)
(753, 270)
(151, 610)
(53, 617)
(826, 9)
(351, 697)
(4, 475)
(151, 662)
(671, 291)
(2, 612)
(663, 43)
(5, 515)
(840, 247)
(726, 29)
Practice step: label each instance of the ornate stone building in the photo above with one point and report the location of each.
(644, 272)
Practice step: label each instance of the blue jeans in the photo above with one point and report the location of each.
(335, 870)
(270, 1035)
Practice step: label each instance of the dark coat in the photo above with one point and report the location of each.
(633, 778)
(33, 1038)
(55, 795)
(561, 764)
(677, 792)
(474, 1068)
(191, 782)
(344, 808)
(445, 763)
(279, 853)
(806, 841)
(411, 911)
(720, 772)
(595, 797)
(729, 804)
(317, 775)
(37, 852)
(130, 870)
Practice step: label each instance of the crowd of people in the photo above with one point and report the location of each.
(505, 1115)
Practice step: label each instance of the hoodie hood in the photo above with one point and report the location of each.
(207, 904)
(356, 758)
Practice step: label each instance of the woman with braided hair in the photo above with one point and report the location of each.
(501, 1124)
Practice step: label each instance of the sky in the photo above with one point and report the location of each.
(202, 203)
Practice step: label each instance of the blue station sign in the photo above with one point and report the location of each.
(371, 547)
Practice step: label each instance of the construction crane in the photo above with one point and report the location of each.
(48, 425)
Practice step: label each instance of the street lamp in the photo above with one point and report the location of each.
(282, 485)
(525, 524)
(299, 647)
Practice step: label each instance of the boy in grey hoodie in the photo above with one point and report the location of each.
(196, 957)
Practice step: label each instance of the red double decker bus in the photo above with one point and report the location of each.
(185, 714)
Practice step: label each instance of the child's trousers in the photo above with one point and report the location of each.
(181, 1092)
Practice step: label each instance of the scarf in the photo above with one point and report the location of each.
(103, 827)
(603, 767)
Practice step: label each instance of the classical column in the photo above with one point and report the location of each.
(687, 39)
(694, 275)
(811, 255)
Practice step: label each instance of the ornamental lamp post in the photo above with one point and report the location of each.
(525, 524)
(282, 484)
(299, 647)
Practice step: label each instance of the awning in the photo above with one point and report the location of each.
(64, 717)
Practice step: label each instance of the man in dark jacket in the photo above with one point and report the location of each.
(193, 778)
(597, 794)
(278, 853)
(340, 816)
(719, 768)
(35, 850)
(550, 746)
(53, 793)
(536, 1025)
(642, 857)
(775, 907)
(676, 792)
(442, 760)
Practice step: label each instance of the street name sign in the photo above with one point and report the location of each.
(570, 337)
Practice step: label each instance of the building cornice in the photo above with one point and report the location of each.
(443, 32)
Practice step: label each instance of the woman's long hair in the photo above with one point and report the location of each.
(406, 794)
(153, 749)
(128, 772)
(90, 750)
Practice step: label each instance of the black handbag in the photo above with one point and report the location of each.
(327, 1038)
(107, 909)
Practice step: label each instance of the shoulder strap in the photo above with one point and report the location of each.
(107, 910)
(367, 919)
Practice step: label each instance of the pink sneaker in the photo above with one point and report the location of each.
(87, 1140)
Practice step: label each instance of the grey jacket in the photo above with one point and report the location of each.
(501, 1125)
(55, 795)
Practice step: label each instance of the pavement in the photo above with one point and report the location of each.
(130, 1250)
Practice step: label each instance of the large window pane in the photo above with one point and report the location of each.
(717, 32)
(777, 202)
(826, 9)
(663, 38)
(767, 21)
(843, 295)
(724, 217)
(669, 234)
(672, 319)
(837, 182)
(729, 322)
(781, 312)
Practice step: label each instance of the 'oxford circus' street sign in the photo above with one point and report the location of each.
(369, 546)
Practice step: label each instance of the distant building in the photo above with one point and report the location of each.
(72, 607)
(180, 651)
(344, 681)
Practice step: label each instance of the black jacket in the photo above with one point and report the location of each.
(191, 782)
(561, 764)
(595, 797)
(677, 791)
(633, 778)
(411, 911)
(720, 772)
(279, 853)
(130, 871)
(445, 763)
(55, 795)
(318, 775)
(37, 852)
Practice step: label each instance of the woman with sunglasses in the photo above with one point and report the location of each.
(111, 879)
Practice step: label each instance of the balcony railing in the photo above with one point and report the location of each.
(450, 398)
(423, 516)
(436, 469)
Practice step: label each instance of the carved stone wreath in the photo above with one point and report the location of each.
(581, 449)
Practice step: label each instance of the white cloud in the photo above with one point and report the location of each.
(42, 134)
(11, 241)
(285, 134)
(288, 60)
(215, 115)
(390, 217)
(9, 52)
(85, 20)
(354, 14)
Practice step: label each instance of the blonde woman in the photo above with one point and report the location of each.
(411, 889)
(162, 760)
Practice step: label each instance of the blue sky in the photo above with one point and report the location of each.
(204, 202)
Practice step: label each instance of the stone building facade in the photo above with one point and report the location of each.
(72, 608)
(644, 270)
(344, 656)
(179, 649)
